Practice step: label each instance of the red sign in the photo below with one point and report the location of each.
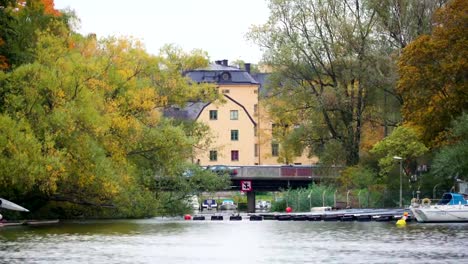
(246, 186)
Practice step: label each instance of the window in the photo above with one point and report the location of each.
(213, 155)
(234, 155)
(234, 115)
(256, 150)
(274, 149)
(255, 91)
(213, 114)
(255, 109)
(235, 135)
(225, 91)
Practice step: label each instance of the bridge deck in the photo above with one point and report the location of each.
(287, 173)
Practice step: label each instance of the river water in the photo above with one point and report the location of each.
(178, 241)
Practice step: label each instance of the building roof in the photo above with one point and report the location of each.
(262, 79)
(190, 112)
(221, 74)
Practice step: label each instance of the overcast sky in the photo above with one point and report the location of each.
(216, 26)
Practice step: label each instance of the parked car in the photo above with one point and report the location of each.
(222, 170)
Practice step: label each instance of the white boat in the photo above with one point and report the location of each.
(451, 208)
(209, 204)
(263, 205)
(11, 206)
(228, 204)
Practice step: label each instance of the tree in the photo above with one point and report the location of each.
(402, 21)
(404, 143)
(19, 23)
(89, 111)
(433, 74)
(324, 52)
(450, 161)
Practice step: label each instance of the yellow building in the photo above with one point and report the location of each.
(240, 136)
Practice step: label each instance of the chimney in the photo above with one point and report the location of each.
(218, 62)
(247, 67)
(225, 62)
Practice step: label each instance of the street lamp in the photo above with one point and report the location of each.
(401, 184)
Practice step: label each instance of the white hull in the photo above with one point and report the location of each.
(228, 207)
(441, 213)
(11, 206)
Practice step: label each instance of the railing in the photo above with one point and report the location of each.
(286, 172)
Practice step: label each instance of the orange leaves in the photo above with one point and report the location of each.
(49, 8)
(433, 73)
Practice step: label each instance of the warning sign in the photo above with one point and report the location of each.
(246, 186)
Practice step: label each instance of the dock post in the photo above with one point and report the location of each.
(251, 202)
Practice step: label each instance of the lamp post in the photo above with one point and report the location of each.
(401, 182)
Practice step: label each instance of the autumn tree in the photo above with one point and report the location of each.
(323, 50)
(19, 23)
(91, 113)
(433, 74)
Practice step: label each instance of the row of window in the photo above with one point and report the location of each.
(226, 91)
(214, 155)
(235, 153)
(234, 114)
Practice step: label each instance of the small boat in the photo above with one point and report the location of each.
(263, 205)
(11, 206)
(227, 204)
(209, 204)
(451, 208)
(321, 209)
(41, 222)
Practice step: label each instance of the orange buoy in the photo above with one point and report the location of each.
(288, 209)
(187, 217)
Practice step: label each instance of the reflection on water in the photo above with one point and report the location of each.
(176, 241)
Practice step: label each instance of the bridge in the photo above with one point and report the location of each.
(273, 178)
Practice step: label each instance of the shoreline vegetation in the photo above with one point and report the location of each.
(82, 134)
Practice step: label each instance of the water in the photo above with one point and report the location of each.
(178, 241)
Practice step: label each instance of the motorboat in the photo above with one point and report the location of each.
(263, 205)
(193, 202)
(209, 204)
(228, 204)
(451, 208)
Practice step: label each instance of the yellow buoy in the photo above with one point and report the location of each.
(402, 221)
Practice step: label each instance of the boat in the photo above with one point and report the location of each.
(192, 202)
(11, 206)
(227, 204)
(263, 205)
(209, 204)
(451, 208)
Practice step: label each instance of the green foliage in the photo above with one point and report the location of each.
(82, 131)
(451, 162)
(404, 143)
(325, 66)
(357, 177)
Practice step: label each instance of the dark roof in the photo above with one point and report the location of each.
(190, 112)
(262, 79)
(214, 74)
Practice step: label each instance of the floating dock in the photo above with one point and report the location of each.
(358, 215)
